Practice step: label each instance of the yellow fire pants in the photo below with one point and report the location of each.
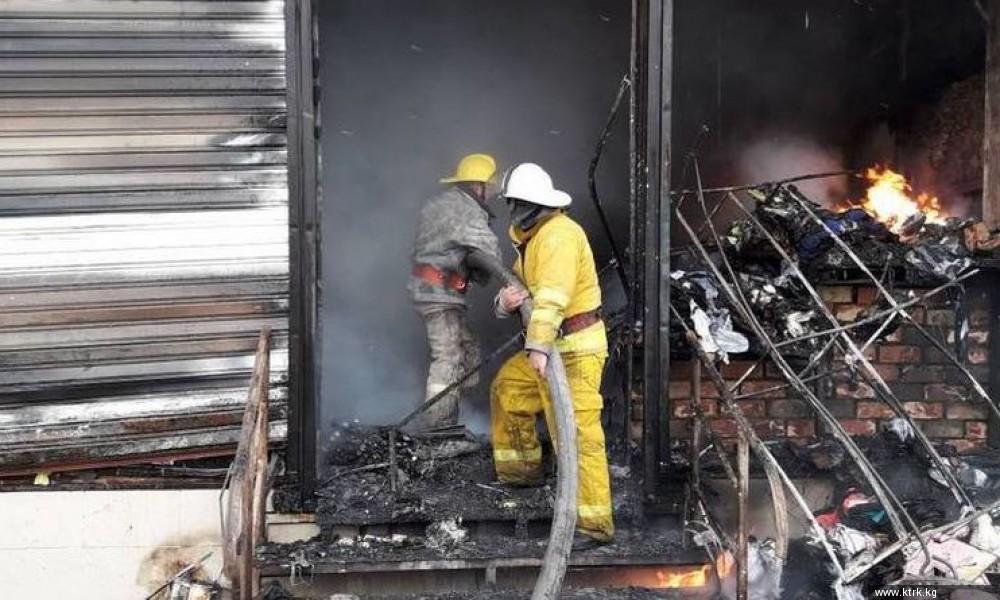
(517, 395)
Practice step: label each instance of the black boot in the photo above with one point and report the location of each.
(583, 542)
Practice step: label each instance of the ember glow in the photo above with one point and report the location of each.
(891, 199)
(673, 577)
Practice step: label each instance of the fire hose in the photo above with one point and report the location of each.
(560, 543)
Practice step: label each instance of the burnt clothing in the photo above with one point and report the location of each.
(452, 224)
(454, 351)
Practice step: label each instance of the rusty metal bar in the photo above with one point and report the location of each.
(735, 297)
(759, 448)
(743, 517)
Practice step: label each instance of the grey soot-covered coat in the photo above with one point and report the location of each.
(451, 225)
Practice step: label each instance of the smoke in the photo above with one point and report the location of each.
(406, 92)
(776, 157)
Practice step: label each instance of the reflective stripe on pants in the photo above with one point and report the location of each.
(517, 396)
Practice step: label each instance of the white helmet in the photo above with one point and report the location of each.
(529, 182)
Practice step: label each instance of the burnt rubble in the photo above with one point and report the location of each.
(904, 507)
(275, 592)
(439, 477)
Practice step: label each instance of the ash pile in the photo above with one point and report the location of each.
(906, 510)
(439, 476)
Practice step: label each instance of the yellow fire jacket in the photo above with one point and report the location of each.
(557, 264)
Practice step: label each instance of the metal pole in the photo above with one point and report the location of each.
(743, 517)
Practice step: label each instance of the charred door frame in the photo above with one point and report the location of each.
(652, 70)
(651, 112)
(304, 243)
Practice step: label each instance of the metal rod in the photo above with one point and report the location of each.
(743, 188)
(592, 182)
(734, 295)
(454, 384)
(759, 448)
(870, 373)
(881, 314)
(743, 517)
(927, 335)
(393, 466)
(696, 424)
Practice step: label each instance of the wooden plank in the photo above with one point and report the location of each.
(235, 540)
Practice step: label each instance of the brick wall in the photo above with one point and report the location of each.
(932, 389)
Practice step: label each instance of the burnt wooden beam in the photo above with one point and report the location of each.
(237, 542)
(991, 137)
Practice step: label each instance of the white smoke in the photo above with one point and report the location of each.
(783, 156)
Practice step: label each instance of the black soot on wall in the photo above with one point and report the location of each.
(408, 88)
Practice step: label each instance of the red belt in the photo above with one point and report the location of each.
(580, 321)
(437, 277)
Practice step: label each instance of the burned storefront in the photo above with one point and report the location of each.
(793, 210)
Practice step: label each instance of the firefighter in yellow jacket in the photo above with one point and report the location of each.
(556, 263)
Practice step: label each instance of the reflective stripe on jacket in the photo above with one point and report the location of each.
(557, 264)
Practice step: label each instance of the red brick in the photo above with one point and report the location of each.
(842, 408)
(708, 390)
(858, 426)
(979, 356)
(837, 294)
(682, 408)
(899, 354)
(922, 373)
(941, 317)
(801, 428)
(680, 390)
(723, 427)
(963, 446)
(736, 369)
(680, 429)
(784, 409)
(857, 390)
(769, 428)
(909, 391)
(943, 429)
(848, 313)
(966, 411)
(976, 430)
(940, 392)
(681, 370)
(979, 318)
(753, 408)
(889, 373)
(867, 295)
(873, 410)
(977, 336)
(754, 387)
(924, 410)
(919, 314)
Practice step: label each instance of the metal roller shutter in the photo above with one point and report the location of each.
(143, 219)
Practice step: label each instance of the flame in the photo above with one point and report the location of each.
(675, 577)
(684, 578)
(890, 199)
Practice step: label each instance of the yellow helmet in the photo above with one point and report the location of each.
(474, 167)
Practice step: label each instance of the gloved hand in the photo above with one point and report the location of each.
(512, 297)
(539, 361)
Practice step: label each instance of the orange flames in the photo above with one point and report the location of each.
(891, 200)
(673, 577)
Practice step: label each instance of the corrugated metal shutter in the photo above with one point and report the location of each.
(143, 201)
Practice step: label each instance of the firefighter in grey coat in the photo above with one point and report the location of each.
(452, 224)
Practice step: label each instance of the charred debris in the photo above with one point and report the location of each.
(905, 509)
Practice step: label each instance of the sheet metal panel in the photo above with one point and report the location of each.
(143, 218)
